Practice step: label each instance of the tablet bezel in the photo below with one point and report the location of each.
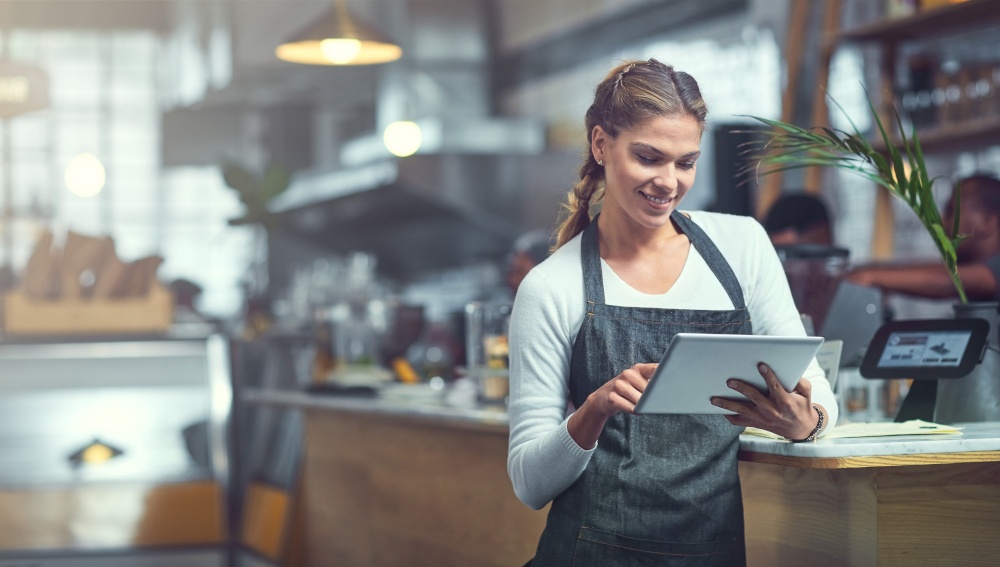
(684, 392)
(979, 329)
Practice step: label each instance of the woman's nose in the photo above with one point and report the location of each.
(666, 177)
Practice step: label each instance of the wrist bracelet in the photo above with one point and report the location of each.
(815, 432)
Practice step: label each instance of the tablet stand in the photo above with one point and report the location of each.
(919, 402)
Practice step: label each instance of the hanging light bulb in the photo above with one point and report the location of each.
(85, 175)
(402, 138)
(338, 38)
(340, 51)
(96, 452)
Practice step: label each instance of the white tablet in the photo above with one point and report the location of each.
(696, 366)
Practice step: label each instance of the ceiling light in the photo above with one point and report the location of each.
(402, 138)
(338, 38)
(85, 175)
(95, 453)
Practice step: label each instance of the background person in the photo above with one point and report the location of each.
(530, 249)
(590, 322)
(978, 255)
(799, 218)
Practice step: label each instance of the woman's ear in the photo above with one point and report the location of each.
(598, 143)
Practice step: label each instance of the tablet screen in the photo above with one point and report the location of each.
(932, 348)
(925, 348)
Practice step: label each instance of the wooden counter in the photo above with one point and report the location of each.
(904, 501)
(401, 484)
(391, 484)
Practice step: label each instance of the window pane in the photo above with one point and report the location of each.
(104, 100)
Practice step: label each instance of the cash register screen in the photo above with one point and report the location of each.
(930, 348)
(941, 348)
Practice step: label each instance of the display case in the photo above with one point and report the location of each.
(114, 451)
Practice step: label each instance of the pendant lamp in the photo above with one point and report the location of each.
(338, 38)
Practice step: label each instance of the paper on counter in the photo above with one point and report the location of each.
(875, 429)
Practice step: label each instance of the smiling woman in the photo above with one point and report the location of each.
(590, 321)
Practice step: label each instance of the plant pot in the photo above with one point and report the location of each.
(975, 397)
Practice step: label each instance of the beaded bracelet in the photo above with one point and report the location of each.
(815, 432)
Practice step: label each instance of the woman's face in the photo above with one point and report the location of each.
(650, 168)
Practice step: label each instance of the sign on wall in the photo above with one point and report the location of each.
(22, 89)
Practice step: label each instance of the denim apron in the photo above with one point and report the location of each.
(659, 489)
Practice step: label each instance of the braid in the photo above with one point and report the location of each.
(621, 75)
(577, 206)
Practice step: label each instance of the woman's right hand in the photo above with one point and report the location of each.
(619, 394)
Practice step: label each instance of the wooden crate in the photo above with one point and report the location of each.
(150, 314)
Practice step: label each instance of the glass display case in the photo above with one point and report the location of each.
(114, 450)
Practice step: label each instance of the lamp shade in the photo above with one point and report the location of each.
(338, 38)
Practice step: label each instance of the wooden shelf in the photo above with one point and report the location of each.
(886, 35)
(957, 137)
(934, 22)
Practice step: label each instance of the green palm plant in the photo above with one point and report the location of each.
(899, 168)
(255, 190)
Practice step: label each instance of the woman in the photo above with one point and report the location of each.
(589, 323)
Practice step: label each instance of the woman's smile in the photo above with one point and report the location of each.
(656, 200)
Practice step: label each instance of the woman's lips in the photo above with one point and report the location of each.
(660, 201)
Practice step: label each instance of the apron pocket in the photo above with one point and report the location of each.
(596, 547)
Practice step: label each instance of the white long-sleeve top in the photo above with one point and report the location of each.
(543, 460)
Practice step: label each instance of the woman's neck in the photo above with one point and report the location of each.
(648, 260)
(621, 237)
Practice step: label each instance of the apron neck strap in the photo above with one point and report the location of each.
(593, 279)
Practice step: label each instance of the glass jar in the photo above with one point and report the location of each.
(487, 354)
(813, 272)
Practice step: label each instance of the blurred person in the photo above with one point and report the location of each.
(799, 218)
(529, 251)
(978, 254)
(590, 322)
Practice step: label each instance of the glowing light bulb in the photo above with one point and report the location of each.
(340, 51)
(402, 138)
(85, 175)
(96, 453)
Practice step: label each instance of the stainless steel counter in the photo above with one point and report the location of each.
(438, 411)
(976, 437)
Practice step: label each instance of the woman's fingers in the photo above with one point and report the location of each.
(777, 410)
(758, 403)
(804, 389)
(749, 392)
(771, 379)
(638, 376)
(625, 389)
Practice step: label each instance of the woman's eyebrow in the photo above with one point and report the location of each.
(654, 150)
(647, 147)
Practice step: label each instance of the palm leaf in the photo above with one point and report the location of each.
(899, 168)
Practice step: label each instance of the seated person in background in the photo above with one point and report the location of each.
(978, 255)
(529, 251)
(798, 218)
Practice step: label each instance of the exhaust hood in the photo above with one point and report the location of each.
(471, 187)
(422, 213)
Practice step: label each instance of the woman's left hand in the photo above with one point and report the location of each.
(789, 414)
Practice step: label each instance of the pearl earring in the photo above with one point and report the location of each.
(600, 162)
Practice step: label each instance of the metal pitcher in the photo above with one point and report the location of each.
(975, 397)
